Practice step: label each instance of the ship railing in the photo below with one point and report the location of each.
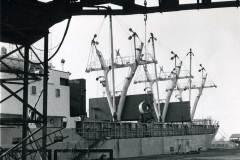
(109, 130)
(119, 62)
(205, 122)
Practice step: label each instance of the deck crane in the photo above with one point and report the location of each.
(104, 79)
(175, 75)
(173, 78)
(199, 88)
(131, 62)
(151, 81)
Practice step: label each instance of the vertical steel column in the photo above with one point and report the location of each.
(25, 101)
(112, 65)
(45, 90)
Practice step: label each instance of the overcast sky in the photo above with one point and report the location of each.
(213, 35)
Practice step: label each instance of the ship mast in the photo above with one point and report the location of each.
(128, 80)
(112, 66)
(175, 73)
(199, 88)
(190, 54)
(152, 38)
(104, 78)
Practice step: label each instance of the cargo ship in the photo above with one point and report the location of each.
(119, 125)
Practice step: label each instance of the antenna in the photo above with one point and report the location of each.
(134, 35)
(202, 69)
(174, 57)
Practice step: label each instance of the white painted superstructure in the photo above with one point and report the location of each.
(58, 97)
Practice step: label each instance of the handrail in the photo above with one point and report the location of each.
(96, 130)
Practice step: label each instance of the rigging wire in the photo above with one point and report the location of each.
(124, 26)
(50, 49)
(55, 53)
(145, 41)
(101, 26)
(91, 50)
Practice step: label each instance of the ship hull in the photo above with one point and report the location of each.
(121, 147)
(137, 147)
(140, 147)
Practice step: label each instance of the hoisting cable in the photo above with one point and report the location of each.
(36, 48)
(145, 28)
(54, 54)
(145, 42)
(147, 98)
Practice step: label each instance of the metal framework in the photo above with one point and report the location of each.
(23, 77)
(30, 20)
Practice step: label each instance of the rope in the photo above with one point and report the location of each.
(101, 26)
(64, 35)
(55, 53)
(145, 41)
(48, 49)
(91, 50)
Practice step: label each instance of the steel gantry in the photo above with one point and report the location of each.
(30, 20)
(22, 75)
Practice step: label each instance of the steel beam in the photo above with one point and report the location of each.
(42, 15)
(78, 8)
(10, 53)
(21, 100)
(6, 98)
(25, 101)
(45, 94)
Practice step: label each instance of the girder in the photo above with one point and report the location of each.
(28, 21)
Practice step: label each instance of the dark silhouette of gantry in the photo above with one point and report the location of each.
(24, 22)
(29, 20)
